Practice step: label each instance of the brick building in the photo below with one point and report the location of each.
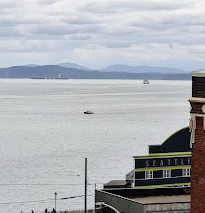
(198, 142)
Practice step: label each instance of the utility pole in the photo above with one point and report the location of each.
(85, 185)
(95, 198)
(55, 200)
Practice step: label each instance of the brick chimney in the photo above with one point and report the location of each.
(197, 143)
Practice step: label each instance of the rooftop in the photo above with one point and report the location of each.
(163, 199)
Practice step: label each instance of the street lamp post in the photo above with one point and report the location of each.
(55, 200)
(85, 185)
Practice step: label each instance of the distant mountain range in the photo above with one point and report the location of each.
(120, 68)
(30, 65)
(72, 65)
(62, 72)
(141, 69)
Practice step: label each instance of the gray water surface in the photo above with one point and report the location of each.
(45, 135)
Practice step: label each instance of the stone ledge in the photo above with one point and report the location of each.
(197, 100)
(198, 73)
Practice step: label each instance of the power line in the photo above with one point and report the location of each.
(53, 184)
(40, 184)
(64, 198)
(40, 201)
(30, 201)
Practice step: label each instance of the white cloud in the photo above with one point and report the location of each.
(104, 32)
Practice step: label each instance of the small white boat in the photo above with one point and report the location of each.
(88, 112)
(146, 81)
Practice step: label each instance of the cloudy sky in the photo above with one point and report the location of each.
(97, 33)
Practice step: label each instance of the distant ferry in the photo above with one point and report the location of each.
(146, 81)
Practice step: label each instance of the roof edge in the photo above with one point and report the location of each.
(164, 154)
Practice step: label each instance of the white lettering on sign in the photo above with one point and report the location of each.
(167, 207)
(168, 162)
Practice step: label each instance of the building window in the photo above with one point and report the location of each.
(148, 174)
(186, 172)
(166, 173)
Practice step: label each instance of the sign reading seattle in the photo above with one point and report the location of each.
(162, 162)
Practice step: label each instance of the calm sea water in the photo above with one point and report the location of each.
(45, 136)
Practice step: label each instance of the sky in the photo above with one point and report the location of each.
(98, 33)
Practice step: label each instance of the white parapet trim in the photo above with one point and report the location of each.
(192, 126)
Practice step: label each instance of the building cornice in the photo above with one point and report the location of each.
(197, 100)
